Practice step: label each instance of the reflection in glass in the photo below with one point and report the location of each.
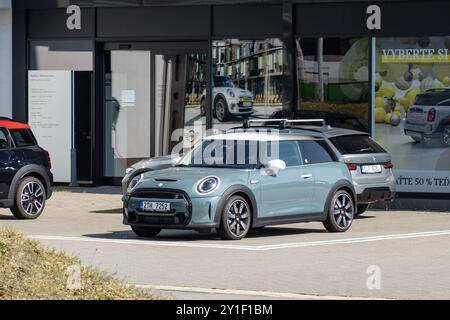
(333, 81)
(247, 80)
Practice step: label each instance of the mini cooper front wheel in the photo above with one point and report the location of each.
(145, 232)
(341, 212)
(30, 199)
(236, 219)
(221, 110)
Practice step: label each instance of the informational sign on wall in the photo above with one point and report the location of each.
(50, 117)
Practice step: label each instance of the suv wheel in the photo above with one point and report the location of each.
(446, 136)
(221, 110)
(236, 219)
(340, 213)
(30, 199)
(146, 232)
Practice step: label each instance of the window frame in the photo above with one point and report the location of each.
(8, 138)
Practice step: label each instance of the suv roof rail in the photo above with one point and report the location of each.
(283, 123)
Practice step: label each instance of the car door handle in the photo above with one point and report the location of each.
(307, 176)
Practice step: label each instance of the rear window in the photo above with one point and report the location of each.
(433, 98)
(315, 151)
(356, 144)
(22, 138)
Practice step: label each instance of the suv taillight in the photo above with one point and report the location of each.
(49, 160)
(388, 166)
(352, 167)
(431, 115)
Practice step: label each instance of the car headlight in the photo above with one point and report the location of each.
(231, 93)
(207, 185)
(134, 182)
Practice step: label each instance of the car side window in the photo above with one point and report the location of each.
(4, 141)
(287, 151)
(315, 151)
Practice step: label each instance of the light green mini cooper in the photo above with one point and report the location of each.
(242, 180)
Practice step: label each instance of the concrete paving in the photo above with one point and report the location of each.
(301, 261)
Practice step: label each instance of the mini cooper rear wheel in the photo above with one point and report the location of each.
(445, 140)
(30, 199)
(236, 219)
(341, 212)
(145, 232)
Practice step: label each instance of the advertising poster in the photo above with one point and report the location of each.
(50, 117)
(412, 110)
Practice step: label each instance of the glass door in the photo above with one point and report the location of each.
(153, 102)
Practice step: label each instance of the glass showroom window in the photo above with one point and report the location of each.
(412, 109)
(247, 80)
(333, 81)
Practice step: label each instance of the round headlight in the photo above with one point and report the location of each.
(208, 185)
(134, 182)
(231, 93)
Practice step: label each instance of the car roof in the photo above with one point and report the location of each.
(313, 131)
(260, 136)
(10, 124)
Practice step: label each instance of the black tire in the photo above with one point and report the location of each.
(445, 139)
(237, 227)
(29, 202)
(203, 108)
(340, 213)
(146, 232)
(361, 208)
(221, 110)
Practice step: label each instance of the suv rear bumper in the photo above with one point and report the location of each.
(370, 195)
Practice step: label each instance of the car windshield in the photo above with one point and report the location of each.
(433, 98)
(222, 154)
(356, 144)
(223, 82)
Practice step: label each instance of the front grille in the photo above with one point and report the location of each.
(158, 194)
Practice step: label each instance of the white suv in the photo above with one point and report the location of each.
(229, 100)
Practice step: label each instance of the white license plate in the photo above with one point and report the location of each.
(155, 206)
(370, 169)
(247, 104)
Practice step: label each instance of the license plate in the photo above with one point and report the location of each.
(155, 206)
(371, 169)
(247, 104)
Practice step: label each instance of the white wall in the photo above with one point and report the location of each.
(5, 59)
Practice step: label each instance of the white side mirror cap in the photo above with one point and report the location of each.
(176, 160)
(276, 166)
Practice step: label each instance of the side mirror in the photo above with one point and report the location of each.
(275, 166)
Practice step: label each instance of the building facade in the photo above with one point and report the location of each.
(114, 80)
(5, 58)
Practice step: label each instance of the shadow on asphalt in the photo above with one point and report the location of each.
(108, 211)
(189, 235)
(89, 190)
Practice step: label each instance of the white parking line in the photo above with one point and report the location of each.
(249, 293)
(245, 247)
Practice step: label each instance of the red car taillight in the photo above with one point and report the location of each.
(431, 115)
(352, 167)
(49, 160)
(388, 166)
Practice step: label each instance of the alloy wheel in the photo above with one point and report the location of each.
(220, 110)
(238, 217)
(32, 198)
(446, 136)
(343, 211)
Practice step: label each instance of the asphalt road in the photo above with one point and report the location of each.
(408, 250)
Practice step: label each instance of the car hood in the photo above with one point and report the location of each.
(186, 179)
(154, 163)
